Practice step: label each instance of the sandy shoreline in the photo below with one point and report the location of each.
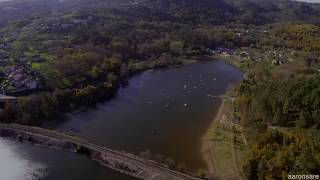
(207, 145)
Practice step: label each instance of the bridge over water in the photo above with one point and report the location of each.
(120, 161)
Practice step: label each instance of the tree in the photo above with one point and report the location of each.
(159, 158)
(146, 154)
(120, 46)
(181, 167)
(10, 112)
(202, 173)
(171, 163)
(305, 120)
(305, 163)
(176, 46)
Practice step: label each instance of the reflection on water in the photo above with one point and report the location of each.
(25, 162)
(14, 166)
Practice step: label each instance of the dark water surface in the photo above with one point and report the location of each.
(164, 111)
(139, 120)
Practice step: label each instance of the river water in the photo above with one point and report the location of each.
(164, 111)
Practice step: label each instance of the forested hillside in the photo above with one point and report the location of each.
(280, 111)
(202, 11)
(62, 55)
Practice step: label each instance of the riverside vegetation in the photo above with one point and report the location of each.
(278, 107)
(279, 110)
(82, 54)
(280, 114)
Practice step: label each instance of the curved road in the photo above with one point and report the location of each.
(149, 169)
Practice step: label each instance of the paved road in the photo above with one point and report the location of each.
(152, 169)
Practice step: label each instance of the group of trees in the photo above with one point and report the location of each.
(279, 111)
(84, 54)
(291, 101)
(276, 154)
(170, 163)
(79, 46)
(300, 36)
(161, 159)
(46, 106)
(84, 45)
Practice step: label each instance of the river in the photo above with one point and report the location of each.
(164, 111)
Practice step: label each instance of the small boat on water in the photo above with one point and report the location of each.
(149, 102)
(213, 96)
(163, 90)
(167, 106)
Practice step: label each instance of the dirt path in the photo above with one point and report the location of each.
(223, 145)
(207, 145)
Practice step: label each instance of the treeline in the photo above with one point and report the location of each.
(76, 47)
(281, 117)
(83, 47)
(300, 36)
(170, 163)
(46, 106)
(286, 101)
(277, 155)
(164, 160)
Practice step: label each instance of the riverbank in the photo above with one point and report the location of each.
(54, 104)
(120, 161)
(130, 123)
(224, 145)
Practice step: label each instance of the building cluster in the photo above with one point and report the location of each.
(243, 53)
(69, 24)
(276, 57)
(16, 79)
